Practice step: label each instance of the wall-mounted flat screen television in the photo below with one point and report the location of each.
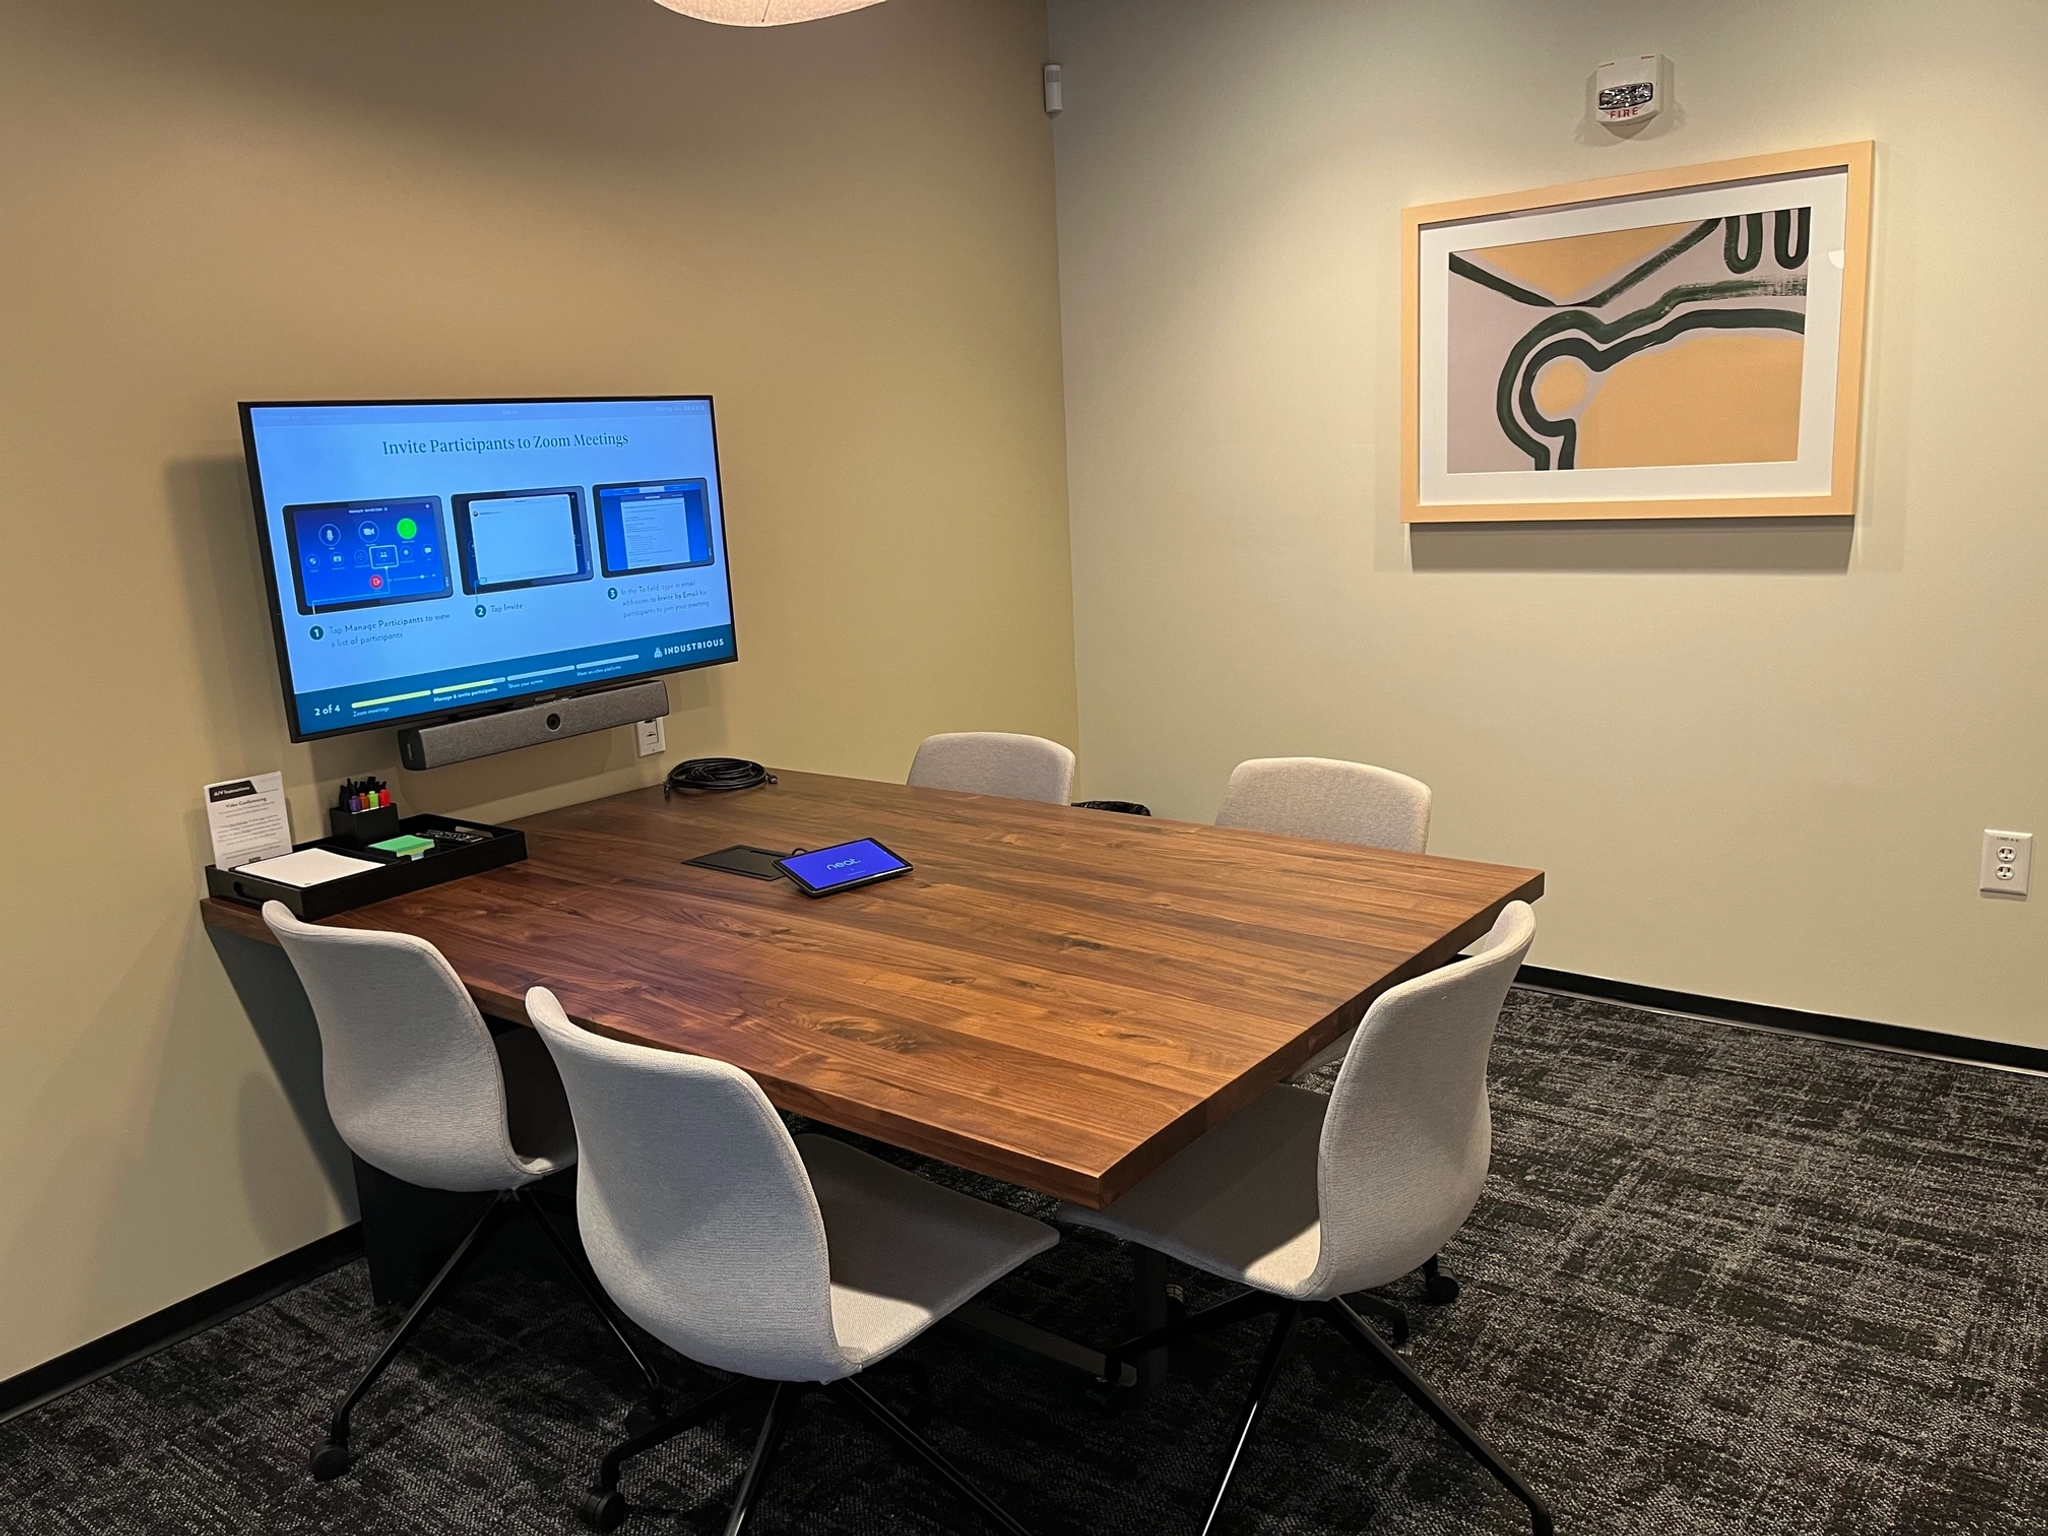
(430, 560)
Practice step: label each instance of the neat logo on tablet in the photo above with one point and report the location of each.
(842, 866)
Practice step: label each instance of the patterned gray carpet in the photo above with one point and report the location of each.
(1721, 1281)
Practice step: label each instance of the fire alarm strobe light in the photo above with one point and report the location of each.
(1629, 90)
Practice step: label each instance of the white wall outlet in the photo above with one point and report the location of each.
(649, 739)
(2008, 860)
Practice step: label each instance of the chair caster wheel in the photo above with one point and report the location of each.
(642, 1417)
(330, 1460)
(603, 1511)
(1440, 1290)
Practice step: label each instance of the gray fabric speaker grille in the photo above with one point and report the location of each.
(435, 746)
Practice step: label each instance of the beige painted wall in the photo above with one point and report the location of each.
(1755, 761)
(842, 231)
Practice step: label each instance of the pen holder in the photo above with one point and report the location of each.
(359, 829)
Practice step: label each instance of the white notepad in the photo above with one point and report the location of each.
(309, 866)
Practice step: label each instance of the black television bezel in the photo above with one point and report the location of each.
(495, 706)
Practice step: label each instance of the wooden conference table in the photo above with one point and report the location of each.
(1056, 997)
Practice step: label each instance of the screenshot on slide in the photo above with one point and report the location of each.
(432, 559)
(357, 554)
(515, 539)
(660, 527)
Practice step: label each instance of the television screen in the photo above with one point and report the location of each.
(429, 560)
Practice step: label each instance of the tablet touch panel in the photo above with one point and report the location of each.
(662, 525)
(365, 554)
(513, 539)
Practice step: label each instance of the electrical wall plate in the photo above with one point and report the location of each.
(2008, 863)
(650, 738)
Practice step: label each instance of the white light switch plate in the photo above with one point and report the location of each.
(2008, 861)
(649, 738)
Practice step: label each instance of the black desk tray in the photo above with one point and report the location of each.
(393, 876)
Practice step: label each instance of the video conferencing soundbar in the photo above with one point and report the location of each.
(435, 746)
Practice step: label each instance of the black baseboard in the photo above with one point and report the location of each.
(1826, 1026)
(37, 1385)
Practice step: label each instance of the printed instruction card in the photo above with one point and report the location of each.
(247, 820)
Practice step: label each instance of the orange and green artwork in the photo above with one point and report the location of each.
(1665, 344)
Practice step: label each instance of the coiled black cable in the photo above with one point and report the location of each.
(715, 775)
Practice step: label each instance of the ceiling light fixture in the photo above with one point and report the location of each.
(762, 13)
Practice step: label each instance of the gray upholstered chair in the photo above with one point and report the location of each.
(1305, 1198)
(796, 1261)
(995, 763)
(1336, 801)
(420, 1088)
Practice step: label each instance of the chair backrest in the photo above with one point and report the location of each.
(995, 763)
(1336, 801)
(694, 1206)
(1408, 1134)
(412, 1078)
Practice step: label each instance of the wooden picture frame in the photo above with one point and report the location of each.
(1684, 343)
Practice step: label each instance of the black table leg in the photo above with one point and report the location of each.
(1151, 1308)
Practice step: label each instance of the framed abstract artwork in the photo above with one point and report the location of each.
(1683, 343)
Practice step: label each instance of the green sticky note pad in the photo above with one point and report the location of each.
(406, 847)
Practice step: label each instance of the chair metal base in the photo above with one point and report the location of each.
(604, 1506)
(1157, 1303)
(332, 1457)
(1438, 1290)
(1379, 1355)
(1393, 1317)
